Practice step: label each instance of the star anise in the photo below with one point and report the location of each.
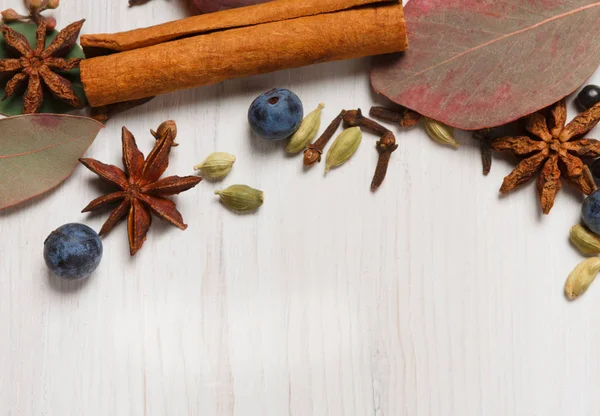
(555, 150)
(141, 191)
(37, 66)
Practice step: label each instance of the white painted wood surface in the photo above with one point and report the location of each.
(433, 296)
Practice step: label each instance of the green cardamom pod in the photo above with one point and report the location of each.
(582, 277)
(306, 132)
(241, 198)
(585, 241)
(216, 166)
(440, 132)
(343, 147)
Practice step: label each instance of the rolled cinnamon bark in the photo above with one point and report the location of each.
(235, 43)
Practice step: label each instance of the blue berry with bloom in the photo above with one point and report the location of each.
(276, 114)
(73, 251)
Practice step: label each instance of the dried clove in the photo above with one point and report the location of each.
(35, 8)
(404, 117)
(385, 146)
(485, 142)
(313, 151)
(355, 118)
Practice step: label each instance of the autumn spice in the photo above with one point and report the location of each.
(216, 166)
(211, 48)
(35, 7)
(385, 146)
(355, 118)
(484, 137)
(38, 67)
(241, 198)
(306, 132)
(141, 191)
(403, 117)
(586, 242)
(313, 151)
(581, 278)
(342, 149)
(554, 141)
(440, 132)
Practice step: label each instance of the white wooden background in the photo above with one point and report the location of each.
(433, 296)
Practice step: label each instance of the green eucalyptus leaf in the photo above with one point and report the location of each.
(39, 151)
(14, 105)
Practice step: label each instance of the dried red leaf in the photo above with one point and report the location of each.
(475, 64)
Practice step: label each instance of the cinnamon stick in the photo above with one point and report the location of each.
(211, 48)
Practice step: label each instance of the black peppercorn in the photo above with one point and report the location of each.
(588, 97)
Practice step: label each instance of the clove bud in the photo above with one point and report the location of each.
(313, 151)
(355, 118)
(403, 117)
(10, 15)
(167, 127)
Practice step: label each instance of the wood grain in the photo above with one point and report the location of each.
(433, 296)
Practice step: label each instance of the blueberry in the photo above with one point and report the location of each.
(276, 114)
(590, 212)
(73, 251)
(588, 97)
